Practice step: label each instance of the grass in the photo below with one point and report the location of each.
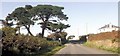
(110, 49)
(52, 51)
(45, 52)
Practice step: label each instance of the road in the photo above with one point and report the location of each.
(75, 49)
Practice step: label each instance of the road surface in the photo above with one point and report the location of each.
(75, 49)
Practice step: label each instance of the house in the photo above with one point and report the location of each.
(1, 25)
(5, 23)
(108, 28)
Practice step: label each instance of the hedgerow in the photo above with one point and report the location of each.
(24, 44)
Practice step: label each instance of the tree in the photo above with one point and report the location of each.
(56, 36)
(57, 27)
(23, 17)
(70, 37)
(47, 12)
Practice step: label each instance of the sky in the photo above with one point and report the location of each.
(84, 17)
(59, 0)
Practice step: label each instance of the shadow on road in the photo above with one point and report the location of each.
(76, 42)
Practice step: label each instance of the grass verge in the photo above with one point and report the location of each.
(44, 52)
(52, 51)
(110, 49)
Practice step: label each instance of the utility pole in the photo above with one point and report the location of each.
(78, 31)
(86, 28)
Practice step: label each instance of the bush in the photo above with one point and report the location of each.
(9, 31)
(53, 43)
(27, 44)
(56, 37)
(24, 44)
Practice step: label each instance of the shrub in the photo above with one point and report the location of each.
(9, 31)
(56, 36)
(53, 43)
(24, 44)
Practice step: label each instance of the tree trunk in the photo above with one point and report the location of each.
(60, 30)
(19, 30)
(43, 30)
(29, 32)
(28, 29)
(44, 25)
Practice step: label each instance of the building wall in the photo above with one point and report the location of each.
(107, 30)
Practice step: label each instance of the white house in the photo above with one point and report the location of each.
(1, 23)
(108, 28)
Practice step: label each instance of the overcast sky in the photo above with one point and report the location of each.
(84, 17)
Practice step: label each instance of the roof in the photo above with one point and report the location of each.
(108, 26)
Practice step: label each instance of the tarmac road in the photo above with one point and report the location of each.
(80, 50)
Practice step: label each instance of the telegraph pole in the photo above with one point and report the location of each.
(78, 32)
(86, 28)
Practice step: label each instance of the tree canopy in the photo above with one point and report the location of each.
(57, 27)
(47, 16)
(47, 12)
(22, 16)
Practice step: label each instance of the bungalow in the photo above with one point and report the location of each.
(5, 23)
(1, 24)
(108, 28)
